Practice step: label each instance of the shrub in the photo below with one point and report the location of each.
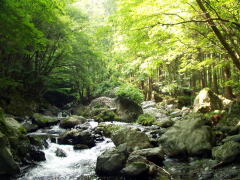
(131, 93)
(146, 119)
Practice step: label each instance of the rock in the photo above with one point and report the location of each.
(128, 110)
(29, 126)
(235, 138)
(225, 101)
(155, 155)
(207, 101)
(133, 139)
(190, 136)
(36, 154)
(139, 167)
(110, 162)
(136, 169)
(7, 163)
(60, 153)
(16, 135)
(44, 121)
(158, 113)
(72, 121)
(104, 115)
(80, 147)
(165, 123)
(227, 152)
(77, 137)
(103, 102)
(148, 104)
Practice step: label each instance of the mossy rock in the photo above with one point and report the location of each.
(7, 163)
(44, 121)
(146, 119)
(227, 152)
(136, 169)
(106, 115)
(109, 129)
(72, 121)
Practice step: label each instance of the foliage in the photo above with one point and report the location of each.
(130, 92)
(146, 119)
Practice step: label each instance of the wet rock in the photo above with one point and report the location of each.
(133, 139)
(80, 147)
(72, 121)
(29, 126)
(227, 152)
(44, 121)
(77, 137)
(190, 136)
(7, 163)
(207, 101)
(38, 141)
(60, 153)
(36, 154)
(110, 162)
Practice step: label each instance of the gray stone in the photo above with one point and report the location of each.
(133, 139)
(60, 153)
(207, 101)
(110, 162)
(188, 136)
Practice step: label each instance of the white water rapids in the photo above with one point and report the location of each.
(78, 165)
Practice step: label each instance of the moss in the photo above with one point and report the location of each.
(109, 129)
(43, 121)
(146, 119)
(106, 115)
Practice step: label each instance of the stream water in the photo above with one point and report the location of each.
(78, 165)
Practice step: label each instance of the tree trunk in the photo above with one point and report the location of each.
(215, 82)
(228, 93)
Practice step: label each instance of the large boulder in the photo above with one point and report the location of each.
(44, 121)
(7, 163)
(192, 136)
(128, 110)
(16, 135)
(110, 162)
(77, 136)
(227, 152)
(72, 121)
(131, 139)
(103, 102)
(207, 101)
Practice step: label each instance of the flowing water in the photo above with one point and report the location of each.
(78, 165)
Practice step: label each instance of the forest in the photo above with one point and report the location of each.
(169, 70)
